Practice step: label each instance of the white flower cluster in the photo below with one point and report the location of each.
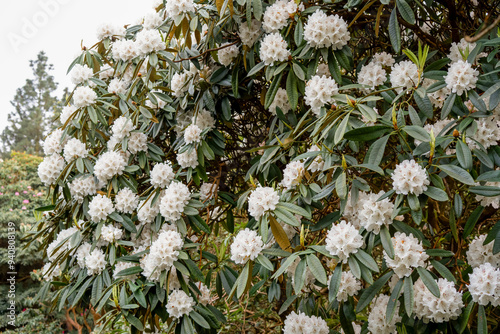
(404, 74)
(302, 324)
(227, 53)
(320, 91)
(372, 75)
(280, 101)
(53, 143)
(247, 245)
(342, 240)
(204, 120)
(249, 34)
(408, 254)
(52, 254)
(152, 20)
(137, 142)
(494, 201)
(80, 73)
(106, 30)
(479, 254)
(276, 16)
(126, 201)
(377, 321)
(161, 175)
(484, 285)
(292, 175)
(349, 286)
(81, 253)
(66, 113)
(74, 149)
(177, 7)
(50, 169)
(192, 134)
(124, 50)
(49, 274)
(118, 86)
(162, 254)
(81, 187)
(100, 207)
(121, 128)
(318, 163)
(368, 212)
(108, 165)
(324, 31)
(409, 178)
(204, 298)
(84, 96)
(174, 199)
(110, 233)
(146, 212)
(179, 302)
(460, 51)
(261, 200)
(95, 262)
(487, 133)
(179, 83)
(188, 159)
(149, 41)
(431, 308)
(384, 59)
(120, 266)
(274, 49)
(207, 191)
(461, 77)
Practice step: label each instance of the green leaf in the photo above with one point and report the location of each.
(367, 295)
(242, 280)
(487, 191)
(273, 89)
(199, 319)
(394, 32)
(482, 323)
(471, 222)
(443, 271)
(335, 283)
(406, 11)
(436, 194)
(385, 239)
(408, 295)
(300, 276)
(134, 321)
(417, 132)
(341, 186)
(287, 303)
(366, 133)
(316, 268)
(448, 105)
(366, 260)
(339, 134)
(292, 91)
(464, 155)
(285, 265)
(464, 318)
(130, 271)
(344, 322)
(257, 9)
(429, 281)
(457, 173)
(393, 300)
(294, 209)
(491, 176)
(264, 261)
(377, 150)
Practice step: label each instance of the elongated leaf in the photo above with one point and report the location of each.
(198, 318)
(242, 280)
(385, 239)
(366, 260)
(436, 194)
(487, 191)
(393, 300)
(408, 295)
(335, 283)
(406, 11)
(458, 174)
(279, 234)
(429, 281)
(377, 150)
(482, 323)
(471, 222)
(339, 134)
(443, 271)
(417, 132)
(394, 32)
(294, 209)
(316, 268)
(367, 296)
(464, 155)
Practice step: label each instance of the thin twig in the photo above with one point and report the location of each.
(205, 52)
(483, 32)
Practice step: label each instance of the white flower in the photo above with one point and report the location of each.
(117, 86)
(80, 74)
(50, 169)
(292, 175)
(149, 41)
(161, 175)
(431, 308)
(81, 253)
(159, 104)
(436, 128)
(261, 200)
(52, 253)
(110, 233)
(108, 165)
(74, 149)
(100, 207)
(276, 16)
(320, 91)
(409, 177)
(383, 58)
(302, 324)
(81, 187)
(249, 34)
(349, 286)
(53, 143)
(121, 128)
(120, 266)
(342, 240)
(227, 53)
(408, 254)
(84, 96)
(207, 191)
(204, 120)
(484, 285)
(487, 133)
(108, 30)
(146, 212)
(66, 113)
(479, 254)
(163, 252)
(280, 101)
(438, 97)
(126, 201)
(192, 134)
(323, 69)
(372, 75)
(318, 163)
(188, 159)
(373, 214)
(179, 303)
(461, 77)
(49, 273)
(179, 83)
(404, 74)
(323, 30)
(356, 327)
(247, 245)
(204, 298)
(137, 142)
(309, 278)
(459, 50)
(273, 49)
(125, 50)
(106, 72)
(178, 7)
(95, 262)
(174, 200)
(152, 20)
(377, 321)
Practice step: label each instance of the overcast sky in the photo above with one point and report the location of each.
(56, 27)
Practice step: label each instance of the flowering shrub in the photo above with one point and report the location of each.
(341, 158)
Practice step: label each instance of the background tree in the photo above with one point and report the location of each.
(33, 104)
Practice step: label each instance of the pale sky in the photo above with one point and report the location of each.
(56, 27)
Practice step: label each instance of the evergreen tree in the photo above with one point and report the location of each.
(33, 104)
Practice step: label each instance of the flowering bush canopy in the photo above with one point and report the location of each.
(340, 157)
